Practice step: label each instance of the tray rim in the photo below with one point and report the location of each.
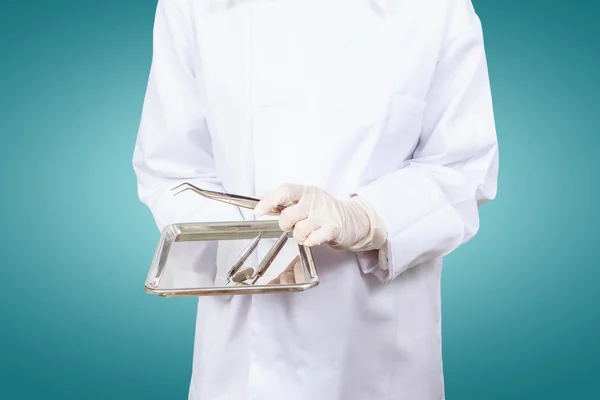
(171, 232)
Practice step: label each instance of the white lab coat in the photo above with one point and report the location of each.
(388, 101)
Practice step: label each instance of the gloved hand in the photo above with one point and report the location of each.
(317, 217)
(293, 273)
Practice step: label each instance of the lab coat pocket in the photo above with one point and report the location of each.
(398, 136)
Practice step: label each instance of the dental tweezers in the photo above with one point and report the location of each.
(233, 199)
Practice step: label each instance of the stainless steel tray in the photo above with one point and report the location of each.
(191, 259)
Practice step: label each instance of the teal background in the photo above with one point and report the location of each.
(521, 301)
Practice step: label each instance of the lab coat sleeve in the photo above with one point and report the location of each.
(430, 205)
(173, 143)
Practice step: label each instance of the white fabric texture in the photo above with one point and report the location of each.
(393, 106)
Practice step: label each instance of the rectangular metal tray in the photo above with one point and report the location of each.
(185, 251)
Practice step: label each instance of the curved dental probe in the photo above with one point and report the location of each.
(233, 199)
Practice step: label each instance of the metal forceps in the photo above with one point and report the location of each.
(233, 199)
(240, 276)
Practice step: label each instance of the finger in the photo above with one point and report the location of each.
(287, 277)
(282, 196)
(302, 229)
(322, 235)
(274, 281)
(299, 271)
(291, 216)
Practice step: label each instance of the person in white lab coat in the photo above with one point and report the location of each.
(375, 117)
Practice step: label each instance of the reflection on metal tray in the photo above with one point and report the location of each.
(224, 258)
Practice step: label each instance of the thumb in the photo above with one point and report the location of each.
(282, 196)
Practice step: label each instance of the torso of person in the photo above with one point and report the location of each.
(333, 94)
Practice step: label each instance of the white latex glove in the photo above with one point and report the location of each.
(317, 217)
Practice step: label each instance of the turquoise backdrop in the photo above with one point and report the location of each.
(521, 301)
